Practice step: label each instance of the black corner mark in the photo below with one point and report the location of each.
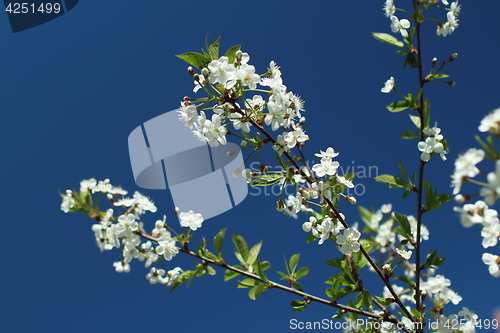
(26, 15)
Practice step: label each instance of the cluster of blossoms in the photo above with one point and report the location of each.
(480, 212)
(444, 29)
(114, 229)
(432, 144)
(230, 79)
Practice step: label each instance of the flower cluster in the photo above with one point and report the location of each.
(444, 29)
(396, 24)
(480, 213)
(114, 229)
(433, 144)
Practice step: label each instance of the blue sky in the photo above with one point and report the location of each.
(74, 88)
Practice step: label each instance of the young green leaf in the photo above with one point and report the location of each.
(268, 179)
(241, 246)
(218, 239)
(386, 38)
(415, 120)
(403, 171)
(294, 260)
(194, 59)
(397, 106)
(256, 291)
(427, 112)
(228, 275)
(409, 135)
(253, 253)
(392, 181)
(404, 224)
(213, 50)
(303, 271)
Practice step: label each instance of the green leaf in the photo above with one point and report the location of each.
(440, 76)
(294, 260)
(303, 271)
(228, 275)
(336, 263)
(213, 50)
(367, 299)
(403, 279)
(298, 306)
(386, 38)
(210, 270)
(397, 106)
(281, 161)
(218, 239)
(415, 120)
(427, 112)
(258, 270)
(242, 247)
(181, 278)
(409, 135)
(402, 170)
(231, 53)
(383, 301)
(444, 198)
(247, 283)
(265, 265)
(256, 291)
(419, 94)
(405, 225)
(411, 60)
(253, 253)
(330, 292)
(359, 300)
(268, 179)
(298, 286)
(392, 181)
(341, 293)
(194, 59)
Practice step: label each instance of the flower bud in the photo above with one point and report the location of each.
(434, 60)
(110, 197)
(191, 70)
(451, 83)
(263, 169)
(453, 57)
(238, 55)
(231, 153)
(351, 200)
(460, 199)
(237, 172)
(280, 206)
(244, 143)
(205, 72)
(177, 210)
(302, 121)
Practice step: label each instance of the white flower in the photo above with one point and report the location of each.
(445, 2)
(493, 262)
(68, 201)
(349, 241)
(386, 209)
(197, 85)
(247, 173)
(298, 106)
(214, 132)
(297, 135)
(476, 213)
(280, 146)
(166, 248)
(445, 324)
(121, 266)
(256, 102)
(172, 275)
(342, 180)
(447, 28)
(187, 114)
(247, 76)
(127, 225)
(321, 190)
(191, 220)
(430, 146)
(468, 315)
(491, 123)
(308, 226)
(88, 184)
(433, 132)
(385, 235)
(238, 124)
(437, 284)
(490, 234)
(326, 167)
(492, 192)
(389, 8)
(275, 77)
(404, 255)
(275, 117)
(329, 153)
(117, 191)
(155, 275)
(466, 164)
(221, 71)
(454, 9)
(389, 85)
(400, 26)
